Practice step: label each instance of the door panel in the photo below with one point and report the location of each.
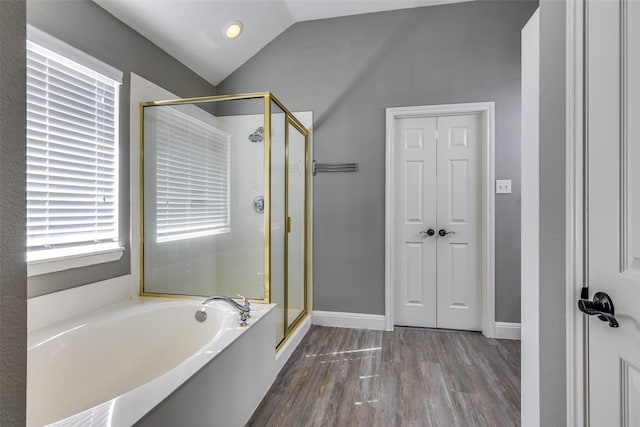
(414, 254)
(460, 281)
(415, 202)
(459, 273)
(458, 187)
(613, 207)
(630, 394)
(414, 185)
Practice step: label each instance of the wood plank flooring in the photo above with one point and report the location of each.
(409, 377)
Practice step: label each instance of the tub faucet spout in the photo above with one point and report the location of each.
(244, 309)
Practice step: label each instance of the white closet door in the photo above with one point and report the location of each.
(415, 212)
(437, 179)
(459, 201)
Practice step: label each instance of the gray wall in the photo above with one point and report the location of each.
(552, 214)
(86, 26)
(13, 270)
(347, 71)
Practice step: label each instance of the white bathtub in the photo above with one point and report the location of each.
(112, 367)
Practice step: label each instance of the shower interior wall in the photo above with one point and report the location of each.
(239, 260)
(240, 253)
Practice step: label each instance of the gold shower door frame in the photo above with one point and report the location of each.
(290, 120)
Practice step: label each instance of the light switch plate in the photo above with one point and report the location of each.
(503, 186)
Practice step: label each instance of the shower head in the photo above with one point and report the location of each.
(257, 136)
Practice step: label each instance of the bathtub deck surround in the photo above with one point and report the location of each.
(115, 365)
(419, 377)
(50, 309)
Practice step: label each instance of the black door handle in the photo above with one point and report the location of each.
(601, 306)
(444, 232)
(429, 232)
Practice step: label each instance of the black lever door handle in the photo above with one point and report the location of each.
(443, 232)
(601, 306)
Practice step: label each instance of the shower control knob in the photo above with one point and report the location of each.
(258, 204)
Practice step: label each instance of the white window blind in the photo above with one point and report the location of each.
(72, 154)
(192, 177)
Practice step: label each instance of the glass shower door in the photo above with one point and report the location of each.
(296, 200)
(278, 217)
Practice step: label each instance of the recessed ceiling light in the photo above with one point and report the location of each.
(233, 29)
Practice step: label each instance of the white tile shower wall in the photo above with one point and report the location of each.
(240, 264)
(240, 252)
(57, 307)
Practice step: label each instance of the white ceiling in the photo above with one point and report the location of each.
(191, 30)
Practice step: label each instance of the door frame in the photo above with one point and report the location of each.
(577, 327)
(487, 220)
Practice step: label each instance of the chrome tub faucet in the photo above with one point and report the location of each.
(244, 309)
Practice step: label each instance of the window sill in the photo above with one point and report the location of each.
(72, 258)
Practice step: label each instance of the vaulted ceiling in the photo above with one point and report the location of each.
(192, 30)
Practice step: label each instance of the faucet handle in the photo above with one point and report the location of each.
(243, 314)
(245, 304)
(242, 318)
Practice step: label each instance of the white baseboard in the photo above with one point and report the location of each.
(338, 319)
(507, 331)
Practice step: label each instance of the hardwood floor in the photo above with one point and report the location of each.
(409, 377)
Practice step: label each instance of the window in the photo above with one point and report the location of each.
(72, 151)
(192, 176)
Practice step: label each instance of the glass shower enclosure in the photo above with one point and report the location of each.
(224, 202)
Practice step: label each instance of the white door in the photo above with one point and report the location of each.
(437, 191)
(415, 194)
(459, 195)
(613, 135)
